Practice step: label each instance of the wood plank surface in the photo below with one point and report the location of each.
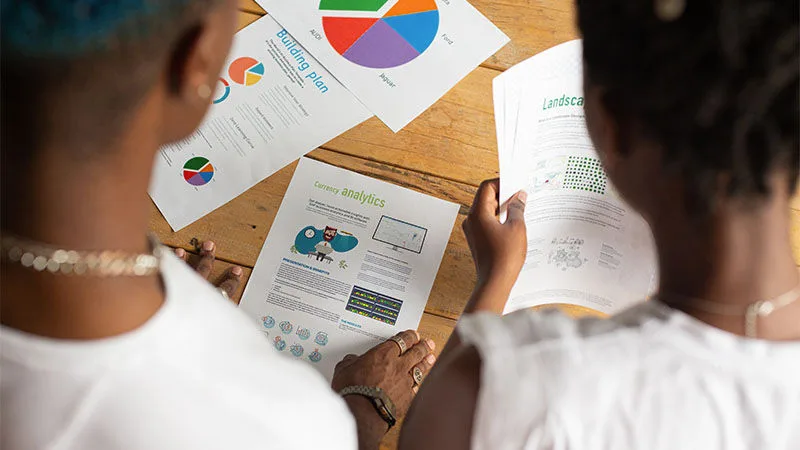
(445, 153)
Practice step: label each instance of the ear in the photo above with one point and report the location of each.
(193, 69)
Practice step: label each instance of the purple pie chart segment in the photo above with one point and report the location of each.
(381, 47)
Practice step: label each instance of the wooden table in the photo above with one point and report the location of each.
(446, 152)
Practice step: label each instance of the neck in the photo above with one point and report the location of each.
(93, 202)
(740, 255)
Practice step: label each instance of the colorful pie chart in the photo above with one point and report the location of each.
(402, 34)
(246, 71)
(198, 171)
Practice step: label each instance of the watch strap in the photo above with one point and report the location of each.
(379, 399)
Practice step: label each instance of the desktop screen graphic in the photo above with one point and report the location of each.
(400, 234)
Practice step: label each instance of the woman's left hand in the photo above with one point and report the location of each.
(205, 264)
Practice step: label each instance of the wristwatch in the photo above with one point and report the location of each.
(382, 403)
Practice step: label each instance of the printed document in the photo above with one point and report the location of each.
(397, 56)
(586, 246)
(349, 262)
(273, 103)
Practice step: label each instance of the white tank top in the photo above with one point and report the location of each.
(649, 378)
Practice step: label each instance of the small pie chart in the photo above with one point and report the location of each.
(198, 171)
(246, 71)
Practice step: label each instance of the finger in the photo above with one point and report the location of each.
(516, 207)
(425, 365)
(230, 284)
(349, 358)
(409, 337)
(486, 199)
(206, 263)
(418, 353)
(180, 253)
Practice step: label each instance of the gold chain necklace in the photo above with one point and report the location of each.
(751, 312)
(108, 263)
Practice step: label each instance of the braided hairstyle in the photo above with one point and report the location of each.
(714, 82)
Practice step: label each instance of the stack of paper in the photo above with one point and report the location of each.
(586, 246)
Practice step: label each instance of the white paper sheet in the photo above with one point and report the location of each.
(320, 298)
(397, 56)
(586, 246)
(267, 113)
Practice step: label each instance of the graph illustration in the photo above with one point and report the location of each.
(396, 38)
(548, 174)
(222, 92)
(246, 71)
(198, 171)
(400, 234)
(585, 174)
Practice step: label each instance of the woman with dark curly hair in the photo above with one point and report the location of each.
(693, 107)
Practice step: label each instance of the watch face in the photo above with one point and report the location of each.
(310, 233)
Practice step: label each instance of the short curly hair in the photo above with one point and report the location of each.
(716, 86)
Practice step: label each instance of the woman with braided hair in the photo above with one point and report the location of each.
(693, 108)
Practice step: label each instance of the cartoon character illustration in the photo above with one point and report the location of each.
(320, 244)
(286, 327)
(297, 350)
(268, 322)
(321, 338)
(315, 356)
(303, 333)
(280, 344)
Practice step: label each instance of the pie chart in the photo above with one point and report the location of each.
(402, 34)
(246, 71)
(198, 171)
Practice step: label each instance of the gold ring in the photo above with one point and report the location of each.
(417, 375)
(400, 343)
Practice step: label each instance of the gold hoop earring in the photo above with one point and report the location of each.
(204, 91)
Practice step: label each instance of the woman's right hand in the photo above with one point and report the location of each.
(383, 366)
(498, 249)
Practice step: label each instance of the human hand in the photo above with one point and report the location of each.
(498, 249)
(205, 264)
(383, 366)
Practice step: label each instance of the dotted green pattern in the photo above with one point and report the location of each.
(585, 174)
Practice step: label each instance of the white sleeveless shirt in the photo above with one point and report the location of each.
(649, 378)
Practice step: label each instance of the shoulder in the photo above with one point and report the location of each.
(534, 364)
(552, 330)
(205, 377)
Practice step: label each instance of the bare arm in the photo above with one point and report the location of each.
(442, 414)
(498, 250)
